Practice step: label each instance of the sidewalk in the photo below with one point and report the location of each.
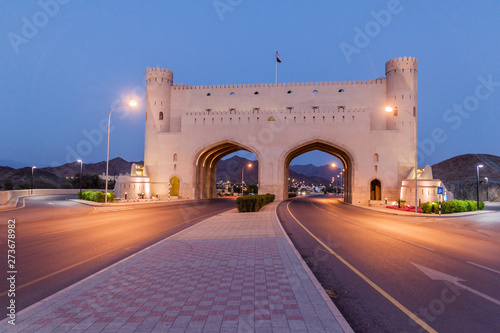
(230, 273)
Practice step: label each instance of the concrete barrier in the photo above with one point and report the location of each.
(6, 196)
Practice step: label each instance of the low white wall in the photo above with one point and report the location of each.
(5, 196)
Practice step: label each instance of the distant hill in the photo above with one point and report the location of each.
(55, 177)
(230, 169)
(459, 175)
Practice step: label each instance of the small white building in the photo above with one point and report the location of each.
(427, 187)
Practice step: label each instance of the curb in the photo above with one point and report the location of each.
(328, 301)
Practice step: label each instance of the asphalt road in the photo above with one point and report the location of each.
(60, 242)
(383, 269)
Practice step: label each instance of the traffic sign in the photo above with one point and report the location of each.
(440, 190)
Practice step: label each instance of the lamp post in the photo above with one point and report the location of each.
(32, 168)
(395, 109)
(130, 103)
(477, 175)
(242, 173)
(487, 189)
(81, 177)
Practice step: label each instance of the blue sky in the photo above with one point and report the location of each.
(64, 64)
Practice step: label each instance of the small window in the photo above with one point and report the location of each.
(271, 119)
(341, 90)
(175, 157)
(256, 93)
(375, 157)
(232, 93)
(161, 115)
(209, 94)
(315, 91)
(290, 92)
(256, 110)
(341, 108)
(232, 111)
(289, 109)
(208, 110)
(414, 111)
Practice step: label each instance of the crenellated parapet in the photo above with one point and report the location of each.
(159, 73)
(179, 86)
(398, 64)
(256, 112)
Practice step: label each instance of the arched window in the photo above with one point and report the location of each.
(414, 111)
(315, 91)
(375, 190)
(256, 93)
(161, 115)
(375, 157)
(175, 157)
(341, 90)
(290, 92)
(209, 94)
(232, 93)
(271, 119)
(175, 184)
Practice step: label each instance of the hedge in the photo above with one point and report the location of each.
(96, 196)
(253, 203)
(453, 206)
(292, 194)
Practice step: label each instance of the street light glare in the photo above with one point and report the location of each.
(333, 165)
(389, 109)
(80, 161)
(249, 165)
(132, 102)
(33, 167)
(480, 166)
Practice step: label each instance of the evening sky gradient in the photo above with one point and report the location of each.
(61, 81)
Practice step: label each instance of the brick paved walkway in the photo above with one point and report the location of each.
(231, 273)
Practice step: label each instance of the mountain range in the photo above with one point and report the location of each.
(457, 173)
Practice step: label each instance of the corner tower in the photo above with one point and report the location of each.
(401, 74)
(158, 104)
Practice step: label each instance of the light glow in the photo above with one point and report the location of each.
(132, 102)
(389, 109)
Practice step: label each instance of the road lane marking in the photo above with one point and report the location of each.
(391, 299)
(104, 253)
(490, 269)
(380, 232)
(9, 209)
(440, 276)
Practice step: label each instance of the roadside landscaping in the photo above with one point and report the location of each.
(253, 203)
(96, 196)
(447, 207)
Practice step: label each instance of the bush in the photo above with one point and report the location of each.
(253, 203)
(292, 195)
(427, 207)
(453, 206)
(96, 196)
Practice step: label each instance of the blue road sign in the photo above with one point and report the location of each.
(440, 190)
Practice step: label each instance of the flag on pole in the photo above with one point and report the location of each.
(278, 58)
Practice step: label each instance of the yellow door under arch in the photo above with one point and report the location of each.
(175, 184)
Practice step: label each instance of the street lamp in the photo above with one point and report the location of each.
(487, 189)
(242, 172)
(395, 109)
(477, 174)
(129, 103)
(81, 177)
(32, 168)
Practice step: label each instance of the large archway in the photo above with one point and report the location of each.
(206, 167)
(328, 148)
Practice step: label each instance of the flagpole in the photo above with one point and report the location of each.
(276, 76)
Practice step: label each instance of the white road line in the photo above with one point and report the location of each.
(487, 268)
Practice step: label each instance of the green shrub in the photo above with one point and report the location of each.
(96, 196)
(253, 203)
(427, 207)
(292, 194)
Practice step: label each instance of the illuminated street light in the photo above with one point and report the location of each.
(81, 177)
(242, 172)
(395, 109)
(477, 173)
(487, 189)
(32, 168)
(131, 103)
